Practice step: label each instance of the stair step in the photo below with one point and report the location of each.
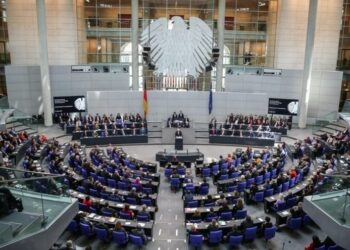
(328, 130)
(21, 128)
(202, 140)
(339, 124)
(318, 133)
(31, 131)
(154, 140)
(13, 124)
(337, 128)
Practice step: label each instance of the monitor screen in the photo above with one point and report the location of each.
(280, 106)
(69, 104)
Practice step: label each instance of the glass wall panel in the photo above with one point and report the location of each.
(249, 37)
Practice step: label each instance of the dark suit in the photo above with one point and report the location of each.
(178, 133)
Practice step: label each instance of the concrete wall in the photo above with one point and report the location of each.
(24, 89)
(325, 88)
(109, 93)
(291, 34)
(62, 34)
(193, 104)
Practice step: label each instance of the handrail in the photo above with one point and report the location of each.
(46, 175)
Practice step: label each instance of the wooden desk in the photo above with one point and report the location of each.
(127, 224)
(115, 205)
(270, 201)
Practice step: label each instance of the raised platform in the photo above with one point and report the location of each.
(236, 140)
(181, 156)
(123, 139)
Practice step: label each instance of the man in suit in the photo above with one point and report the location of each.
(178, 133)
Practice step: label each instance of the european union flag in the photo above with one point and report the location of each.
(210, 101)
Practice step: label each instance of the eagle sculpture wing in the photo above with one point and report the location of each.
(176, 48)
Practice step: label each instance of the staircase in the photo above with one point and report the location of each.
(331, 128)
(154, 132)
(20, 127)
(202, 133)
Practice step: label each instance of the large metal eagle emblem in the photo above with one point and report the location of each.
(177, 48)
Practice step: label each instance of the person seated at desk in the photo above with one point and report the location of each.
(114, 196)
(253, 190)
(292, 173)
(119, 227)
(247, 223)
(101, 225)
(188, 178)
(280, 200)
(137, 184)
(209, 200)
(188, 196)
(273, 184)
(238, 206)
(133, 193)
(127, 210)
(196, 216)
(203, 184)
(266, 224)
(221, 201)
(316, 242)
(267, 185)
(280, 179)
(289, 195)
(211, 213)
(107, 209)
(234, 232)
(194, 231)
(174, 174)
(213, 226)
(224, 208)
(297, 211)
(174, 117)
(87, 201)
(138, 231)
(144, 212)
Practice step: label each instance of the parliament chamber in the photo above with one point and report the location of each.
(177, 124)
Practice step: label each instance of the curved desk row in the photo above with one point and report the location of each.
(236, 140)
(123, 139)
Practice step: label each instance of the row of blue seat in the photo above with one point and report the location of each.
(109, 196)
(216, 237)
(119, 237)
(122, 215)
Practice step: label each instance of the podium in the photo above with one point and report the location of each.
(178, 143)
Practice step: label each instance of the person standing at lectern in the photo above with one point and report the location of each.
(178, 140)
(178, 133)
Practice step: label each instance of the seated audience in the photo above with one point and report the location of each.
(316, 242)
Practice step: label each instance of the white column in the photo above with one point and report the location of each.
(44, 62)
(135, 43)
(221, 30)
(309, 49)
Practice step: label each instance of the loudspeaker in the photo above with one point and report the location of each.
(208, 68)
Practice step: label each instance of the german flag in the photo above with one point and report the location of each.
(145, 100)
